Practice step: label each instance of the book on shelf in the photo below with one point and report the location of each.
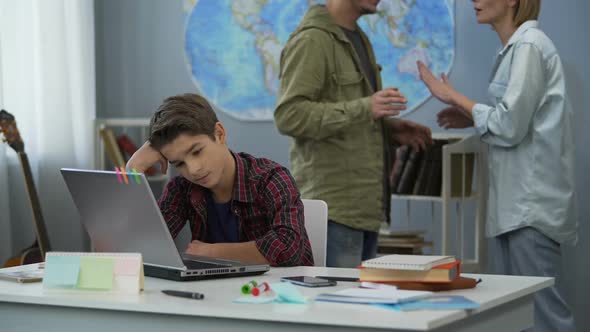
(401, 155)
(434, 181)
(112, 149)
(420, 172)
(423, 172)
(408, 177)
(385, 232)
(407, 262)
(129, 148)
(401, 242)
(444, 273)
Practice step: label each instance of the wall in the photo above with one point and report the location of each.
(140, 61)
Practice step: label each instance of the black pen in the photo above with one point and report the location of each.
(332, 278)
(188, 295)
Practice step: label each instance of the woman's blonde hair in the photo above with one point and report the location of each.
(526, 10)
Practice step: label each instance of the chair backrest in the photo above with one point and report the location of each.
(316, 225)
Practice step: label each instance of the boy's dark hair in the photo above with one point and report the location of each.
(187, 113)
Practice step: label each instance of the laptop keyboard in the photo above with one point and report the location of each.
(195, 265)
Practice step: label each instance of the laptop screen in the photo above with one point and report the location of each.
(121, 214)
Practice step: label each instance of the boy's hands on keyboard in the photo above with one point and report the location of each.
(199, 248)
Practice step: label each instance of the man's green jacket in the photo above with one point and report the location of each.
(324, 104)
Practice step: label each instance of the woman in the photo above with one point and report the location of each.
(528, 128)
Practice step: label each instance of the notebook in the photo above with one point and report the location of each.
(407, 262)
(372, 296)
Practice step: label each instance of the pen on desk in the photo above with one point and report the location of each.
(189, 295)
(332, 278)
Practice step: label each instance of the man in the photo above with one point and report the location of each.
(239, 207)
(332, 105)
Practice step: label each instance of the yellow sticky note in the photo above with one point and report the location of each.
(96, 273)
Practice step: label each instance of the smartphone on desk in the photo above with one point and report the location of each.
(309, 281)
(22, 276)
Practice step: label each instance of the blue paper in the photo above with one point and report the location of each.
(61, 271)
(442, 302)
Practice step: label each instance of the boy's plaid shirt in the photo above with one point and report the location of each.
(266, 203)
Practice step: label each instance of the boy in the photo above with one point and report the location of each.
(239, 207)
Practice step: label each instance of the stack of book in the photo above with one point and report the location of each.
(417, 272)
(401, 242)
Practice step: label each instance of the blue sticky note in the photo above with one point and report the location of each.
(287, 293)
(61, 271)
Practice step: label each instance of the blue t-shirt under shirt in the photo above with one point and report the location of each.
(222, 225)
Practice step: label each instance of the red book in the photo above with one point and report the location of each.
(126, 145)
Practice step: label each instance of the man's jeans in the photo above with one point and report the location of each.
(348, 247)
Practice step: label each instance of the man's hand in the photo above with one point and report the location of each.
(147, 157)
(441, 89)
(387, 102)
(199, 248)
(454, 117)
(406, 132)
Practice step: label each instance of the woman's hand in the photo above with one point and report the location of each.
(441, 89)
(454, 117)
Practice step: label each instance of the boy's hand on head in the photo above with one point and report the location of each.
(199, 248)
(147, 157)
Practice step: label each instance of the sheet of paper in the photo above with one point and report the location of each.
(287, 293)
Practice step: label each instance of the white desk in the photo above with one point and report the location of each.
(506, 305)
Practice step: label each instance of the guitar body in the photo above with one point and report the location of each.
(36, 252)
(30, 255)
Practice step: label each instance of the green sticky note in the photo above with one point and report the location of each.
(96, 273)
(61, 271)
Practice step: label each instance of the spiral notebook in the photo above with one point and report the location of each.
(407, 262)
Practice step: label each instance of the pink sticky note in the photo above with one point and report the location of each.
(126, 267)
(118, 175)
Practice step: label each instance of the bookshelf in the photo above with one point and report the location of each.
(463, 181)
(139, 127)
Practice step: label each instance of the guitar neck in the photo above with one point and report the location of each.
(40, 229)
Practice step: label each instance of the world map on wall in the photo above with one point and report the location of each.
(233, 48)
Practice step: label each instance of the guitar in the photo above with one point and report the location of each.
(36, 252)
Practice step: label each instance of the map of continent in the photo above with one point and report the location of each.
(233, 48)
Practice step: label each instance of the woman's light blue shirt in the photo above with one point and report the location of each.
(528, 129)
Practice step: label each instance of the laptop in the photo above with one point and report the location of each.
(121, 214)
